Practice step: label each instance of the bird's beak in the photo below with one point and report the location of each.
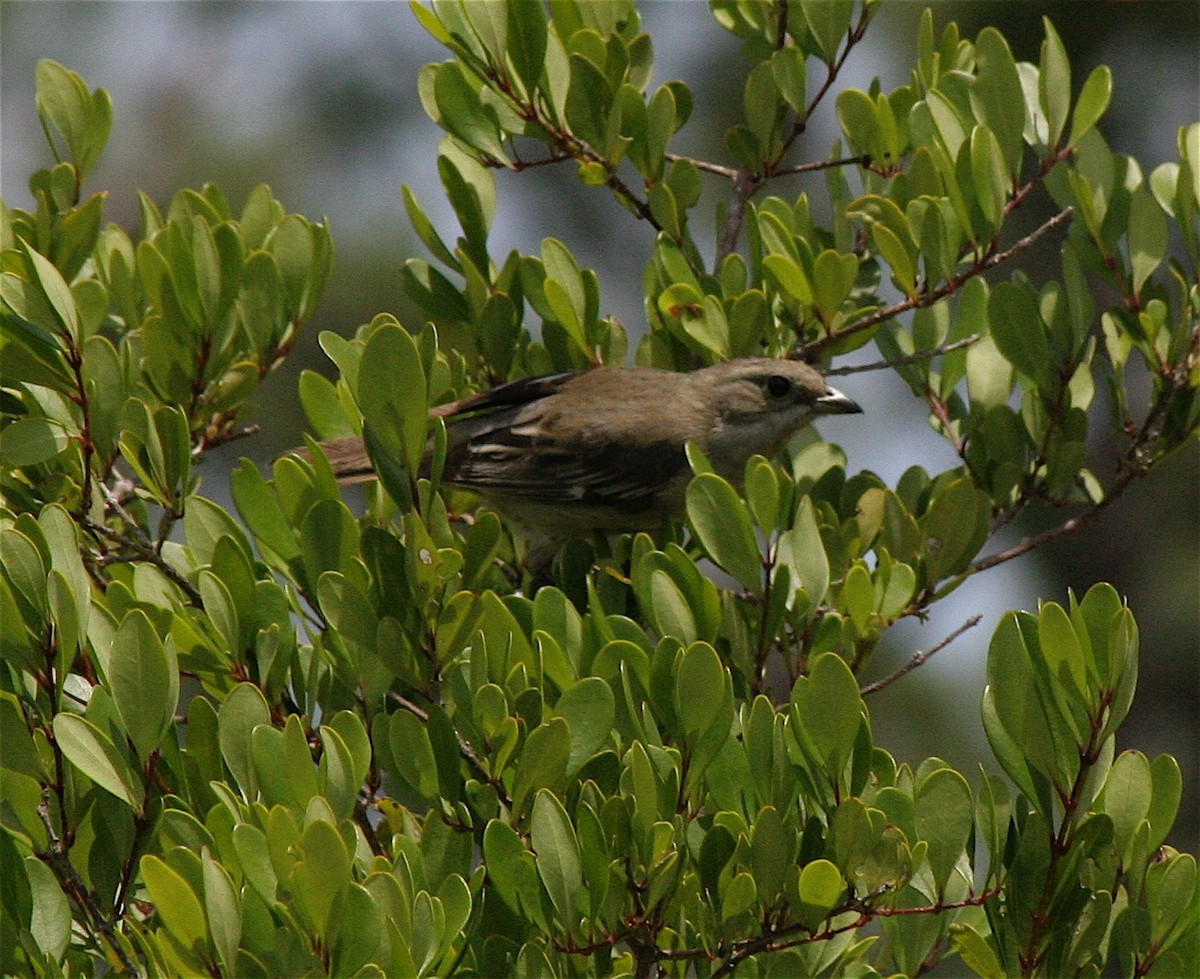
(833, 402)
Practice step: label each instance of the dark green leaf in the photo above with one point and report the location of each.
(723, 527)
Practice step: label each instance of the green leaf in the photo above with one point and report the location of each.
(558, 862)
(83, 118)
(1172, 895)
(976, 953)
(242, 711)
(462, 112)
(699, 688)
(223, 910)
(834, 274)
(718, 846)
(527, 41)
(821, 885)
(91, 751)
(858, 594)
(771, 853)
(143, 678)
(359, 928)
(988, 177)
(412, 752)
(1054, 83)
(791, 76)
(828, 22)
(1063, 651)
(51, 922)
(1018, 708)
(739, 896)
(1019, 334)
(511, 868)
(33, 440)
(1126, 797)
(254, 857)
(997, 98)
(788, 277)
(56, 291)
(1167, 782)
(392, 392)
(175, 902)
(859, 119)
(543, 761)
(723, 527)
(801, 550)
(893, 251)
(830, 710)
(669, 609)
(322, 876)
(944, 818)
(954, 528)
(259, 507)
(1092, 102)
(1148, 236)
(589, 710)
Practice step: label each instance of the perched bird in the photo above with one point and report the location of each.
(565, 455)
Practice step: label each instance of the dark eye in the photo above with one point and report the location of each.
(778, 385)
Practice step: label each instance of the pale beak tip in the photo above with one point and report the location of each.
(833, 402)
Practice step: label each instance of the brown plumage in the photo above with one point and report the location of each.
(568, 454)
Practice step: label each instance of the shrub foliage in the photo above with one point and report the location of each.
(309, 742)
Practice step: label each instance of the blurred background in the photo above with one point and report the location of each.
(318, 99)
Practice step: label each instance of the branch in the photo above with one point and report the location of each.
(1046, 536)
(774, 941)
(913, 358)
(716, 168)
(146, 553)
(749, 182)
(930, 296)
(220, 436)
(920, 658)
(746, 185)
(862, 161)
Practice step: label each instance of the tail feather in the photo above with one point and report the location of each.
(347, 457)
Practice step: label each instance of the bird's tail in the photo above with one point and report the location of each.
(347, 457)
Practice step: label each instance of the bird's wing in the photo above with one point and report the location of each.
(517, 393)
(504, 454)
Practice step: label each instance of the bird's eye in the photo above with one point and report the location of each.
(778, 385)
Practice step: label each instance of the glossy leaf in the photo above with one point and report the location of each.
(723, 526)
(557, 848)
(91, 751)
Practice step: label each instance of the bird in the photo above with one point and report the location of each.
(566, 455)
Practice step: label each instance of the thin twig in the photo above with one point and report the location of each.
(746, 184)
(1046, 536)
(222, 436)
(920, 658)
(845, 161)
(930, 296)
(708, 167)
(781, 939)
(146, 553)
(913, 358)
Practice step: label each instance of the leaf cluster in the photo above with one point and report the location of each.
(311, 742)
